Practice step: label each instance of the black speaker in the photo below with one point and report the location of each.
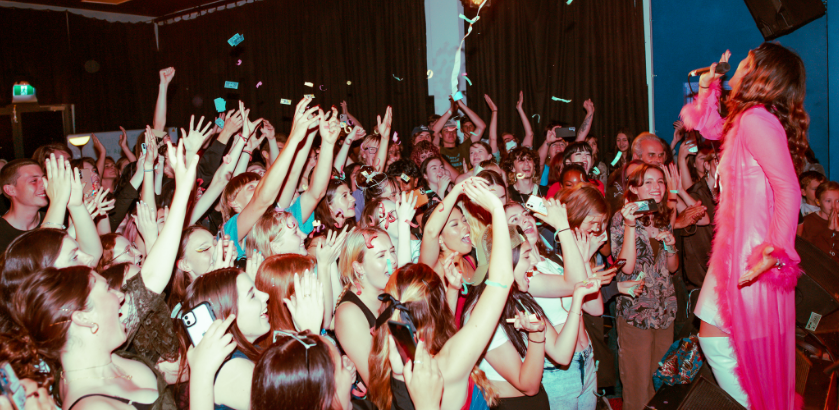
(817, 291)
(776, 18)
(700, 394)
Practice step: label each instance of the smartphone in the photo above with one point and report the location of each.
(422, 198)
(536, 204)
(620, 263)
(87, 180)
(405, 340)
(197, 321)
(647, 206)
(565, 132)
(343, 118)
(10, 386)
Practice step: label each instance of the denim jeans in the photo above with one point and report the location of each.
(572, 387)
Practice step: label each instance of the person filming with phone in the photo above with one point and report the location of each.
(642, 234)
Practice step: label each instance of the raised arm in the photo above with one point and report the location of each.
(493, 125)
(268, 188)
(270, 134)
(147, 194)
(585, 127)
(86, 233)
(157, 268)
(384, 130)
(357, 133)
(552, 286)
(528, 129)
(703, 113)
(405, 210)
(300, 158)
(430, 247)
(123, 145)
(216, 187)
(329, 131)
(58, 189)
(480, 126)
(561, 346)
(101, 154)
(166, 76)
(544, 149)
(344, 110)
(440, 123)
(623, 237)
(464, 349)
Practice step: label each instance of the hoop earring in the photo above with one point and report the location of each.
(95, 328)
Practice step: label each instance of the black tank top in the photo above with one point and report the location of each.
(351, 297)
(138, 406)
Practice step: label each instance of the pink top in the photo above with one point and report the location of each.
(759, 203)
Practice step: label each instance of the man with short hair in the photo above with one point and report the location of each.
(648, 148)
(23, 183)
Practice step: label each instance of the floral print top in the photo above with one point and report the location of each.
(655, 308)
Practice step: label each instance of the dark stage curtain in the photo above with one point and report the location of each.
(286, 44)
(588, 49)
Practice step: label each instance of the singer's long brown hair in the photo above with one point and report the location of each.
(776, 79)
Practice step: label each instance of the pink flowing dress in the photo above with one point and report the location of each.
(759, 203)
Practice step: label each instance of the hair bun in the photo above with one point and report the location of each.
(21, 352)
(367, 177)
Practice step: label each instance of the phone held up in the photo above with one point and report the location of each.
(197, 321)
(10, 386)
(646, 206)
(406, 342)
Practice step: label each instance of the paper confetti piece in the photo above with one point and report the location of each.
(236, 39)
(467, 80)
(457, 96)
(221, 105)
(569, 2)
(258, 84)
(322, 88)
(468, 20)
(231, 84)
(349, 82)
(457, 53)
(560, 99)
(537, 119)
(308, 84)
(239, 63)
(309, 95)
(219, 123)
(519, 176)
(617, 158)
(389, 268)
(283, 101)
(368, 237)
(405, 178)
(430, 74)
(397, 78)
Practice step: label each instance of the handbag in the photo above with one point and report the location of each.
(680, 364)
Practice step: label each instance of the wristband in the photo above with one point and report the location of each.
(250, 153)
(674, 191)
(556, 235)
(148, 170)
(533, 341)
(54, 224)
(631, 226)
(496, 284)
(702, 87)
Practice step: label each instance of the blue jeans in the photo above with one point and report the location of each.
(572, 387)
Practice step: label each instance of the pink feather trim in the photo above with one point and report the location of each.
(703, 113)
(784, 277)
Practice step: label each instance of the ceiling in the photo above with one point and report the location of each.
(150, 8)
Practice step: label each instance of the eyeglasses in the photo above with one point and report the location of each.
(127, 250)
(298, 338)
(371, 150)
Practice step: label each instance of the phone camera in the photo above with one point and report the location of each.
(189, 319)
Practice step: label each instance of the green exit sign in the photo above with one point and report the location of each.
(23, 90)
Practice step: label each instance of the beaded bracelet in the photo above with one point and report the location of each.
(54, 224)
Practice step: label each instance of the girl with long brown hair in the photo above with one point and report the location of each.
(422, 292)
(754, 265)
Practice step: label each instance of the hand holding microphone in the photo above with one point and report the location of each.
(715, 71)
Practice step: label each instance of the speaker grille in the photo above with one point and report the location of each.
(705, 395)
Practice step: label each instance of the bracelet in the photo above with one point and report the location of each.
(54, 224)
(674, 191)
(148, 170)
(702, 87)
(581, 312)
(635, 225)
(533, 341)
(250, 153)
(496, 284)
(556, 235)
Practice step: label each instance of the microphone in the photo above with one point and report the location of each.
(722, 68)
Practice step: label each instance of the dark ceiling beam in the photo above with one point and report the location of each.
(198, 9)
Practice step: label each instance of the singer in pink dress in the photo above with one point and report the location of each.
(747, 301)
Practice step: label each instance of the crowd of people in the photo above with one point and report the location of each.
(308, 250)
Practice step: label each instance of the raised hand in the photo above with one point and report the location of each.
(306, 304)
(605, 276)
(232, 122)
(194, 140)
(268, 131)
(248, 127)
(523, 322)
(151, 149)
(520, 102)
(673, 177)
(226, 255)
(123, 138)
(626, 287)
(254, 143)
(184, 174)
(833, 220)
(97, 145)
(628, 213)
(491, 104)
(586, 287)
(406, 209)
(344, 107)
(77, 189)
(166, 75)
(557, 216)
(678, 131)
(329, 127)
(146, 222)
(304, 119)
(481, 195)
(667, 238)
(588, 106)
(57, 182)
(99, 204)
(423, 378)
(357, 133)
(585, 244)
(212, 351)
(453, 275)
(444, 183)
(253, 264)
(706, 79)
(329, 249)
(383, 126)
(216, 129)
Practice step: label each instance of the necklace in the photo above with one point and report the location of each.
(116, 368)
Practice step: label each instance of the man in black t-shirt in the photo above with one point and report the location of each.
(23, 183)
